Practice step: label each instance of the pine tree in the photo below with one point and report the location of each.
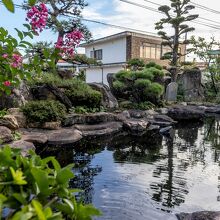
(177, 16)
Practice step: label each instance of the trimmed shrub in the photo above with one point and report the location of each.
(84, 96)
(123, 75)
(44, 111)
(142, 83)
(153, 64)
(144, 74)
(154, 90)
(156, 72)
(118, 85)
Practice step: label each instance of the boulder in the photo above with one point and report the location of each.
(134, 113)
(204, 215)
(123, 115)
(64, 137)
(103, 129)
(108, 100)
(65, 74)
(25, 146)
(187, 113)
(135, 126)
(35, 138)
(47, 125)
(214, 110)
(5, 135)
(10, 122)
(164, 118)
(91, 118)
(20, 117)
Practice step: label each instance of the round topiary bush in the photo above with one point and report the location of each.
(44, 111)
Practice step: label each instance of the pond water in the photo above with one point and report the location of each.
(150, 177)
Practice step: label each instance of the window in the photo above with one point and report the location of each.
(96, 54)
(150, 51)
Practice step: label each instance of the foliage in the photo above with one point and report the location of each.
(139, 86)
(44, 111)
(83, 95)
(35, 188)
(203, 49)
(176, 16)
(16, 135)
(136, 64)
(142, 105)
(3, 113)
(153, 64)
(85, 110)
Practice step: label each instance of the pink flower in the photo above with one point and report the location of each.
(37, 16)
(7, 83)
(16, 60)
(5, 55)
(69, 42)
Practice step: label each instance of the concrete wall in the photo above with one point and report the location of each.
(113, 51)
(95, 74)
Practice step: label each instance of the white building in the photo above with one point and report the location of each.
(116, 50)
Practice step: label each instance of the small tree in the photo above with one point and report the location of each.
(204, 50)
(176, 15)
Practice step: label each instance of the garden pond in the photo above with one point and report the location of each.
(149, 177)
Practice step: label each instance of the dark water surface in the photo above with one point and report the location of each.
(150, 177)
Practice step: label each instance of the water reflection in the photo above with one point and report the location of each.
(153, 176)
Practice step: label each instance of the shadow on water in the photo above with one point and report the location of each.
(134, 177)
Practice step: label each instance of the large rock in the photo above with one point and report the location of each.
(98, 130)
(10, 122)
(18, 97)
(54, 125)
(204, 215)
(5, 135)
(187, 113)
(25, 146)
(108, 101)
(190, 82)
(64, 137)
(91, 118)
(35, 138)
(136, 126)
(20, 117)
(50, 92)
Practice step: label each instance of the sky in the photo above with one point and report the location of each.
(120, 13)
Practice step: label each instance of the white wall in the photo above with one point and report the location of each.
(95, 74)
(113, 51)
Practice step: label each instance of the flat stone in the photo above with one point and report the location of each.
(134, 113)
(10, 122)
(25, 146)
(92, 118)
(180, 113)
(5, 135)
(47, 125)
(214, 110)
(204, 215)
(167, 131)
(35, 138)
(64, 137)
(150, 112)
(98, 130)
(164, 118)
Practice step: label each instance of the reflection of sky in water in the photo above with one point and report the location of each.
(143, 181)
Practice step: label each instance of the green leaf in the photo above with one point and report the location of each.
(55, 163)
(9, 5)
(32, 2)
(41, 179)
(64, 175)
(20, 34)
(39, 210)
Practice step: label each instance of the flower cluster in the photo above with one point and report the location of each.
(69, 42)
(15, 61)
(7, 83)
(37, 16)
